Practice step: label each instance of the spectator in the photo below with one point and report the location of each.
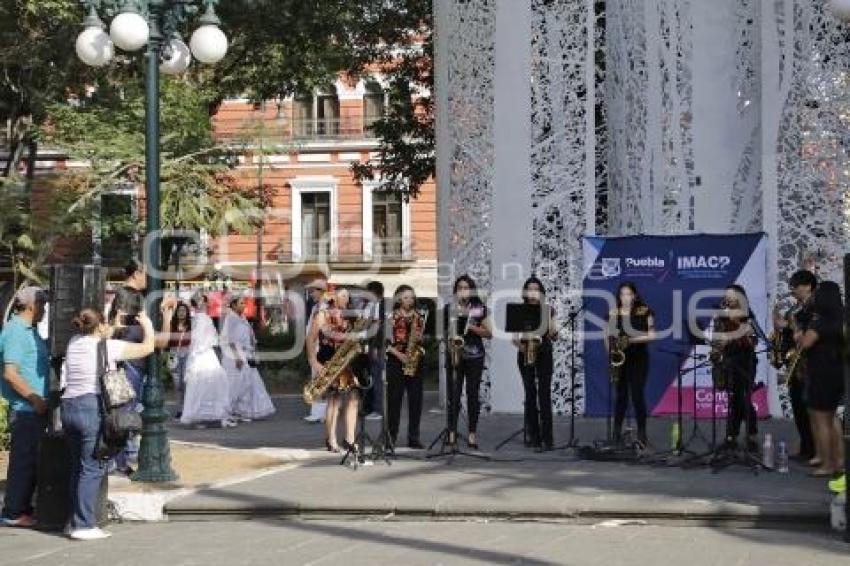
(178, 345)
(24, 385)
(123, 316)
(81, 410)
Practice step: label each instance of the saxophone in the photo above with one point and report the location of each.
(530, 347)
(335, 368)
(414, 349)
(456, 342)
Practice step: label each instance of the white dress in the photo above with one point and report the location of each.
(248, 396)
(207, 396)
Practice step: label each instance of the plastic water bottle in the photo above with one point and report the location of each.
(782, 457)
(767, 455)
(675, 435)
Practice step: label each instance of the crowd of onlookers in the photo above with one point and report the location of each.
(215, 374)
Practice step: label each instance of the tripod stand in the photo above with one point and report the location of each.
(447, 448)
(357, 449)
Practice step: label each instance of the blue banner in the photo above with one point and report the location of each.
(671, 274)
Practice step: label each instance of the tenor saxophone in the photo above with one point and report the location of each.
(414, 349)
(530, 347)
(335, 367)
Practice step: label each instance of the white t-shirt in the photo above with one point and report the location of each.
(79, 371)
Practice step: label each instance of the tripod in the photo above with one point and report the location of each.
(679, 449)
(447, 448)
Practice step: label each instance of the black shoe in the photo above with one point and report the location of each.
(415, 444)
(547, 447)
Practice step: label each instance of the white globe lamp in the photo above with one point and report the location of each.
(179, 59)
(129, 31)
(94, 47)
(209, 44)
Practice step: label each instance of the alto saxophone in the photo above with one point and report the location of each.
(414, 349)
(457, 342)
(530, 347)
(344, 355)
(617, 350)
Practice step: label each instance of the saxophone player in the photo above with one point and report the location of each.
(534, 360)
(803, 284)
(633, 323)
(734, 338)
(404, 361)
(330, 330)
(466, 311)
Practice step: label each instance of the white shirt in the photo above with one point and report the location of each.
(79, 370)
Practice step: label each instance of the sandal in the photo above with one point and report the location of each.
(814, 462)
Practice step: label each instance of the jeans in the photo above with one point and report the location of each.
(137, 377)
(27, 431)
(81, 422)
(397, 384)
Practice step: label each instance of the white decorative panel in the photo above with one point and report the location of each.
(562, 162)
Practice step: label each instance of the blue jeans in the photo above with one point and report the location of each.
(27, 431)
(137, 377)
(81, 422)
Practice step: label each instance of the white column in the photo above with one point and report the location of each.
(512, 212)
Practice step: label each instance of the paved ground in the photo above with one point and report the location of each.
(411, 543)
(515, 482)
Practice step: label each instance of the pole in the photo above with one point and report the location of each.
(154, 452)
(846, 389)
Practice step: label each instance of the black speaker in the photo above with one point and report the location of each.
(72, 288)
(53, 496)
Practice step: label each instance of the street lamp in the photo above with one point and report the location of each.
(155, 23)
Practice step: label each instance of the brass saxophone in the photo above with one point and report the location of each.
(457, 342)
(345, 354)
(530, 348)
(414, 349)
(617, 350)
(774, 354)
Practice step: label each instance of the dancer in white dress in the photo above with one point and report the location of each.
(248, 396)
(207, 394)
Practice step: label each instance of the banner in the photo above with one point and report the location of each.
(675, 276)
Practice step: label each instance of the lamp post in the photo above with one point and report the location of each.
(154, 24)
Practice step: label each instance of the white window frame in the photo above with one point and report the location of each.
(301, 185)
(370, 187)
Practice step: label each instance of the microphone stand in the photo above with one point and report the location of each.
(573, 442)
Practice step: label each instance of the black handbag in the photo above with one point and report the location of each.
(117, 423)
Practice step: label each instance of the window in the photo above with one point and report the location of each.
(115, 233)
(327, 115)
(373, 105)
(302, 115)
(387, 224)
(315, 224)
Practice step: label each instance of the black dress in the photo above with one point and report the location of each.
(824, 386)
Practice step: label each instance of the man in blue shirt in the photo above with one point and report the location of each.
(24, 384)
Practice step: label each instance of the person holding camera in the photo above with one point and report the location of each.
(248, 396)
(82, 418)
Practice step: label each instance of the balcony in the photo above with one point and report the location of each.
(389, 250)
(302, 130)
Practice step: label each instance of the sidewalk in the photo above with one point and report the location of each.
(516, 483)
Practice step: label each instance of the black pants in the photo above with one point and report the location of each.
(632, 382)
(469, 371)
(397, 384)
(537, 381)
(801, 417)
(741, 406)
